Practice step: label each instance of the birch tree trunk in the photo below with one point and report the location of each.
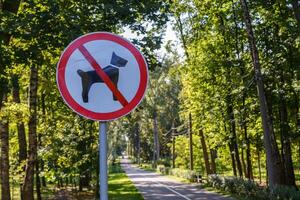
(274, 164)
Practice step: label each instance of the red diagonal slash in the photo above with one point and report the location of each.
(103, 75)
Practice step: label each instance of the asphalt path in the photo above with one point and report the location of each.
(157, 187)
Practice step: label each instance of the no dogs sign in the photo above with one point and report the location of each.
(102, 76)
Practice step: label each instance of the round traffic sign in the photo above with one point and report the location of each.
(102, 76)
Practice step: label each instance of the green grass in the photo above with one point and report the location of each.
(121, 188)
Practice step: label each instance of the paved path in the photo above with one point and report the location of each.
(154, 186)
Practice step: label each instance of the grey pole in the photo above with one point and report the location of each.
(103, 161)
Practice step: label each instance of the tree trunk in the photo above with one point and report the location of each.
(40, 140)
(156, 139)
(37, 172)
(137, 129)
(32, 139)
(286, 145)
(173, 151)
(274, 164)
(249, 172)
(213, 156)
(234, 137)
(20, 125)
(191, 143)
(231, 150)
(204, 150)
(299, 153)
(173, 145)
(243, 162)
(5, 188)
(259, 165)
(8, 6)
(38, 181)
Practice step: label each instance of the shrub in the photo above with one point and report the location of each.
(230, 184)
(160, 168)
(262, 194)
(251, 190)
(282, 192)
(215, 181)
(167, 170)
(166, 162)
(116, 168)
(182, 173)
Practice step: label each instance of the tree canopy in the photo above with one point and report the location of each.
(231, 99)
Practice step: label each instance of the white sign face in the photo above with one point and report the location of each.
(102, 76)
(100, 97)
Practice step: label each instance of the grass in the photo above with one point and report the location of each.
(121, 188)
(119, 185)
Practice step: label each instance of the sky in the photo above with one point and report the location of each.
(169, 36)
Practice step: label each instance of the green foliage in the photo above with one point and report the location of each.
(250, 190)
(285, 193)
(214, 74)
(215, 181)
(186, 174)
(217, 75)
(120, 187)
(67, 143)
(115, 168)
(183, 173)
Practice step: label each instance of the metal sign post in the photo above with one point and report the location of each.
(103, 161)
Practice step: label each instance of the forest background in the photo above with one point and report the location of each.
(228, 106)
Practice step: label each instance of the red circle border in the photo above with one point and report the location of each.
(61, 68)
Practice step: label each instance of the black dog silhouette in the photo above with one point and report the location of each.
(88, 78)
